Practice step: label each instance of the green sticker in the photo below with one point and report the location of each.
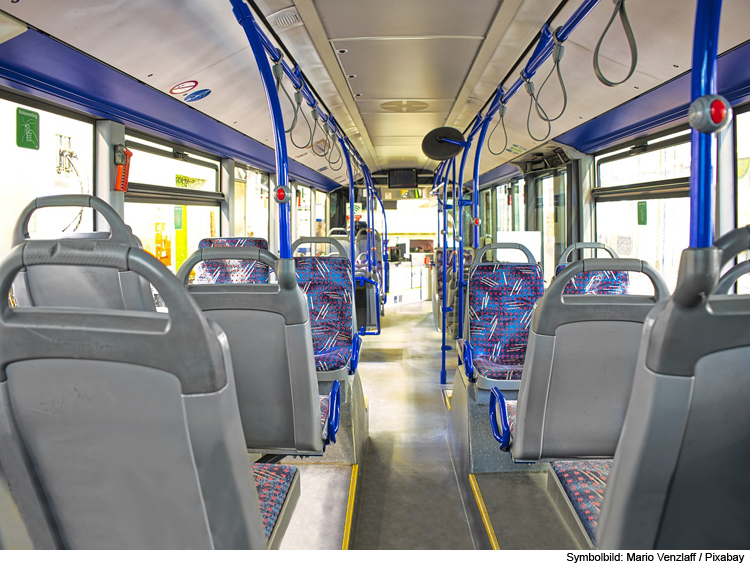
(177, 218)
(27, 129)
(642, 214)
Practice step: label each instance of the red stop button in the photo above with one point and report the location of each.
(280, 194)
(718, 111)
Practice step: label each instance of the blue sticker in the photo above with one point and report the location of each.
(197, 95)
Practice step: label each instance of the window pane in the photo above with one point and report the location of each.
(659, 241)
(43, 154)
(669, 163)
(304, 200)
(256, 205)
(172, 232)
(152, 169)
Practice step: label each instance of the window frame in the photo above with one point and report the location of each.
(666, 188)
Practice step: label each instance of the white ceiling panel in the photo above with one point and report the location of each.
(413, 125)
(407, 69)
(398, 106)
(362, 18)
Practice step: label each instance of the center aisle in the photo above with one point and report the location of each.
(410, 497)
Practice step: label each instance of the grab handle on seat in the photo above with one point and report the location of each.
(99, 253)
(555, 290)
(730, 278)
(286, 280)
(356, 348)
(501, 431)
(467, 356)
(321, 240)
(334, 411)
(119, 231)
(517, 246)
(733, 243)
(577, 246)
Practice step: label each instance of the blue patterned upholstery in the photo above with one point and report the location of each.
(584, 482)
(501, 299)
(597, 282)
(231, 271)
(451, 258)
(327, 283)
(272, 481)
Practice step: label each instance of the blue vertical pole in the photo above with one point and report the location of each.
(703, 146)
(455, 212)
(460, 201)
(475, 187)
(246, 20)
(445, 309)
(370, 223)
(349, 171)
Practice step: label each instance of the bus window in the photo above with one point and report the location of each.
(643, 205)
(256, 205)
(546, 213)
(172, 232)
(44, 154)
(654, 230)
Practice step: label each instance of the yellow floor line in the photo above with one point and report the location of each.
(350, 508)
(483, 512)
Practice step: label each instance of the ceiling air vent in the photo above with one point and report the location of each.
(474, 103)
(286, 19)
(404, 106)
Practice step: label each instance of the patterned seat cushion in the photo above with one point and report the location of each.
(501, 299)
(231, 271)
(493, 370)
(584, 482)
(327, 283)
(597, 283)
(451, 258)
(272, 481)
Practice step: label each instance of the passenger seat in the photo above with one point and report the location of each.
(121, 429)
(88, 287)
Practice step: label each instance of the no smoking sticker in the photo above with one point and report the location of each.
(183, 87)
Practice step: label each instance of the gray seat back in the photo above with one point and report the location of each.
(88, 287)
(120, 430)
(268, 328)
(579, 366)
(679, 479)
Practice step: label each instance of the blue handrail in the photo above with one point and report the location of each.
(385, 248)
(703, 145)
(356, 348)
(467, 359)
(445, 309)
(350, 172)
(334, 411)
(501, 432)
(246, 20)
